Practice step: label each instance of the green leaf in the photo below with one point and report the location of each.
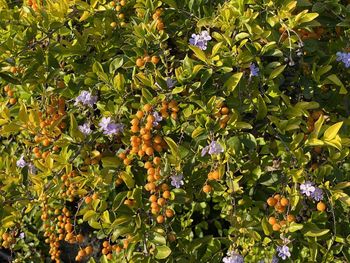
(162, 252)
(119, 82)
(88, 215)
(173, 146)
(316, 232)
(110, 161)
(307, 18)
(277, 71)
(262, 109)
(233, 81)
(115, 64)
(332, 131)
(127, 178)
(199, 53)
(293, 227)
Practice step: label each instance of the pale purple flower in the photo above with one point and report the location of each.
(307, 188)
(233, 257)
(215, 148)
(86, 98)
(274, 259)
(170, 83)
(254, 70)
(85, 128)
(21, 162)
(21, 235)
(344, 57)
(32, 168)
(283, 252)
(200, 40)
(177, 180)
(108, 127)
(317, 195)
(157, 118)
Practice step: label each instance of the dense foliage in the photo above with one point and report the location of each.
(174, 131)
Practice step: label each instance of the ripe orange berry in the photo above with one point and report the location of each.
(165, 187)
(109, 256)
(284, 201)
(46, 142)
(160, 219)
(149, 151)
(122, 2)
(114, 24)
(127, 161)
(151, 186)
(169, 213)
(290, 218)
(321, 206)
(147, 58)
(216, 175)
(140, 62)
(94, 196)
(153, 198)
(277, 197)
(89, 250)
(6, 88)
(166, 194)
(10, 93)
(139, 114)
(81, 253)
(122, 155)
(105, 243)
(224, 110)
(207, 188)
(272, 220)
(121, 16)
(104, 251)
(147, 107)
(161, 201)
(276, 227)
(155, 60)
(271, 201)
(13, 101)
(279, 208)
(157, 160)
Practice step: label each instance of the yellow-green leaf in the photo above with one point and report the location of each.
(332, 131)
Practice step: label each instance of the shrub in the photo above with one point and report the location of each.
(174, 131)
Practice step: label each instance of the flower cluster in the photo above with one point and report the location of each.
(86, 99)
(233, 257)
(177, 180)
(21, 163)
(200, 40)
(312, 191)
(213, 148)
(254, 70)
(157, 118)
(344, 57)
(85, 128)
(283, 252)
(108, 127)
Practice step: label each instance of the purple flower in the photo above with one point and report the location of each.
(21, 235)
(233, 257)
(176, 180)
(31, 168)
(85, 128)
(307, 188)
(215, 148)
(200, 40)
(274, 259)
(157, 118)
(283, 252)
(108, 127)
(170, 83)
(86, 98)
(344, 57)
(254, 70)
(21, 162)
(317, 195)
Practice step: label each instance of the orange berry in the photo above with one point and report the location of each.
(10, 93)
(147, 58)
(277, 197)
(272, 220)
(149, 151)
(174, 115)
(114, 25)
(140, 62)
(207, 188)
(155, 60)
(271, 201)
(321, 206)
(109, 256)
(157, 160)
(216, 175)
(166, 194)
(95, 196)
(89, 250)
(6, 88)
(121, 16)
(13, 101)
(165, 187)
(160, 219)
(104, 251)
(151, 186)
(161, 201)
(122, 155)
(147, 107)
(122, 2)
(224, 110)
(81, 253)
(46, 142)
(284, 201)
(139, 114)
(290, 218)
(169, 213)
(276, 227)
(127, 161)
(153, 198)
